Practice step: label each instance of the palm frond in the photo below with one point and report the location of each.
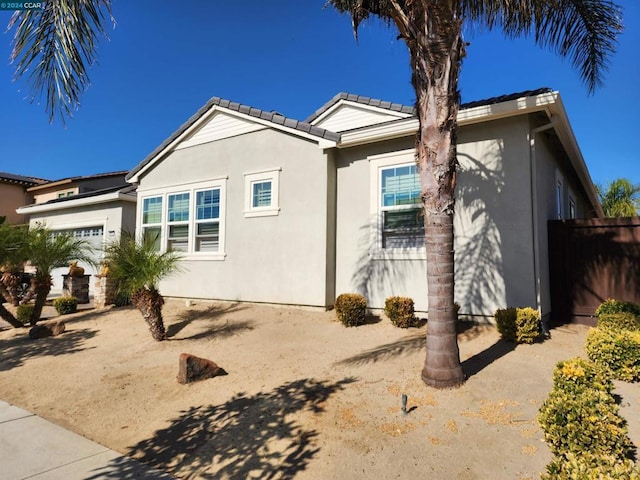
(584, 31)
(55, 46)
(13, 246)
(620, 198)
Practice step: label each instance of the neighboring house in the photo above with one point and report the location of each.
(14, 193)
(68, 187)
(97, 216)
(270, 209)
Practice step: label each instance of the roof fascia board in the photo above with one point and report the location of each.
(57, 183)
(75, 202)
(468, 116)
(323, 143)
(362, 106)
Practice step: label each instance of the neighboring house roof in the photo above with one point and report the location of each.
(63, 181)
(20, 179)
(271, 118)
(120, 192)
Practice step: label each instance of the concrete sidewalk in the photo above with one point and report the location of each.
(31, 447)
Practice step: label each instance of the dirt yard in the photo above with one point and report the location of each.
(304, 396)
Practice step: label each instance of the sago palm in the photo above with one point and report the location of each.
(620, 198)
(585, 31)
(137, 267)
(13, 254)
(46, 251)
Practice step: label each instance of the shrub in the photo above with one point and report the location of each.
(618, 351)
(620, 321)
(577, 374)
(66, 305)
(587, 421)
(617, 306)
(587, 466)
(24, 312)
(520, 325)
(351, 309)
(400, 311)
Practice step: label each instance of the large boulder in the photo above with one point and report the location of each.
(46, 330)
(192, 368)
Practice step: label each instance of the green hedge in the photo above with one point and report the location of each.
(65, 305)
(577, 374)
(401, 311)
(617, 306)
(618, 351)
(620, 321)
(25, 312)
(351, 309)
(520, 325)
(587, 466)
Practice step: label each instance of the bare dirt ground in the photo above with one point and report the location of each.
(304, 396)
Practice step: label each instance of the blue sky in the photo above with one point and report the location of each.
(165, 59)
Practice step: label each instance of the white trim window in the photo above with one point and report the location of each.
(573, 210)
(261, 193)
(190, 219)
(152, 219)
(396, 206)
(559, 195)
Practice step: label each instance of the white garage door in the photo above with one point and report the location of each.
(94, 236)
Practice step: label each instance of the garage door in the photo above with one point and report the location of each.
(94, 236)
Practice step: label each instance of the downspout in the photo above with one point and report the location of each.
(534, 206)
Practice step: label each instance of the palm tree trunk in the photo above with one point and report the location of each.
(41, 286)
(149, 302)
(8, 317)
(9, 287)
(436, 50)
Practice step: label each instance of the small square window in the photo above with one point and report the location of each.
(261, 193)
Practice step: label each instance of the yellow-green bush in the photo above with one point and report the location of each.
(577, 374)
(586, 466)
(621, 321)
(24, 312)
(617, 306)
(351, 309)
(618, 351)
(401, 311)
(520, 325)
(586, 421)
(65, 305)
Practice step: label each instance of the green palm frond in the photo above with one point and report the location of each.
(55, 46)
(47, 250)
(137, 264)
(13, 246)
(620, 198)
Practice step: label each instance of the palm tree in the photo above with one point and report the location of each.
(583, 30)
(13, 254)
(620, 198)
(138, 267)
(47, 251)
(54, 47)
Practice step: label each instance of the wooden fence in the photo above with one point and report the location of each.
(590, 261)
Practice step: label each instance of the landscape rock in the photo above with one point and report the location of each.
(46, 330)
(192, 368)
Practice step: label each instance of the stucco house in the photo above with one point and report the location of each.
(95, 208)
(14, 193)
(271, 209)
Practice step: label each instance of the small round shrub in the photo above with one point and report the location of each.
(24, 312)
(527, 325)
(351, 309)
(617, 306)
(620, 321)
(401, 311)
(506, 323)
(587, 466)
(65, 305)
(617, 351)
(577, 374)
(587, 421)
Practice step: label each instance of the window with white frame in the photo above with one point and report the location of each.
(189, 220)
(261, 193)
(152, 219)
(397, 228)
(559, 195)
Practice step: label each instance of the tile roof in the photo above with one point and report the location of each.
(21, 179)
(270, 116)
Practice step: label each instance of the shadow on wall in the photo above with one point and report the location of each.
(249, 436)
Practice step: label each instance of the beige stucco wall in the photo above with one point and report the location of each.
(113, 217)
(275, 259)
(493, 226)
(12, 197)
(52, 194)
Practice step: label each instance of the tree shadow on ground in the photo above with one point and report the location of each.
(481, 360)
(16, 350)
(219, 331)
(210, 313)
(387, 351)
(249, 436)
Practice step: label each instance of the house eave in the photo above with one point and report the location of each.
(75, 203)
